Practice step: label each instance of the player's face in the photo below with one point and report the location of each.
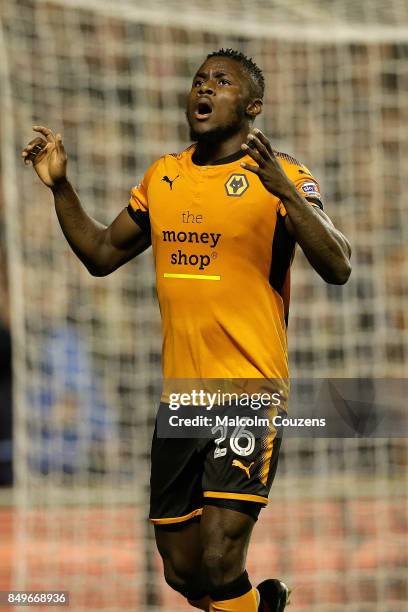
(217, 103)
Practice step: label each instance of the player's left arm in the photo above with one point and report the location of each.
(327, 250)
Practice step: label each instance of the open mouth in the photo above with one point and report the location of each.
(203, 110)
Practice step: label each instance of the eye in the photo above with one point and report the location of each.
(197, 82)
(224, 82)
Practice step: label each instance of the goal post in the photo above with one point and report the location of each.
(112, 78)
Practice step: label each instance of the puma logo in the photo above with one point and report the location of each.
(166, 179)
(246, 468)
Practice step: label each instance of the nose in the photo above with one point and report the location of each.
(206, 87)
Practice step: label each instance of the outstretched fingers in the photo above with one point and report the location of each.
(45, 132)
(250, 150)
(254, 169)
(258, 147)
(263, 139)
(58, 143)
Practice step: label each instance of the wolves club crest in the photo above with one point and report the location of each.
(236, 185)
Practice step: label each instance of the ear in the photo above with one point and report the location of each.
(254, 108)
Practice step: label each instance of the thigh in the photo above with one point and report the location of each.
(225, 535)
(223, 523)
(181, 545)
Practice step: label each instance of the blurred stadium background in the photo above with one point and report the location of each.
(112, 76)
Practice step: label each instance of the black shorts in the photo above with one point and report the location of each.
(187, 473)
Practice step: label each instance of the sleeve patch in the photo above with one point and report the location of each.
(310, 189)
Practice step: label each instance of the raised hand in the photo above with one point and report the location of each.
(47, 156)
(269, 170)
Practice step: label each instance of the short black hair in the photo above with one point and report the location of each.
(255, 73)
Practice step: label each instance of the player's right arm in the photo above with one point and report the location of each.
(102, 249)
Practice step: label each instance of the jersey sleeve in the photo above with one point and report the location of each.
(306, 185)
(138, 207)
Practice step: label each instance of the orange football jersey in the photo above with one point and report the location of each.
(222, 258)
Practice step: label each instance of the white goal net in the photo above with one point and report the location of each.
(112, 77)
